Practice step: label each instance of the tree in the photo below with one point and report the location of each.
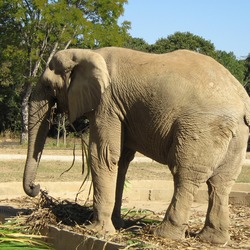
(183, 40)
(136, 44)
(247, 73)
(10, 63)
(247, 65)
(229, 61)
(43, 27)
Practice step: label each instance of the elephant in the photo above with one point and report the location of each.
(182, 109)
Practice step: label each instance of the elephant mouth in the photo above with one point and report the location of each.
(57, 109)
(60, 106)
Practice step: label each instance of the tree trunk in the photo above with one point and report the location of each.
(64, 131)
(58, 131)
(28, 88)
(25, 102)
(27, 93)
(61, 127)
(25, 113)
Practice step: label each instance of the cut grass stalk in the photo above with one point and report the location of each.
(12, 235)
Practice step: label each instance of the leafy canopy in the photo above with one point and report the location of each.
(31, 31)
(183, 40)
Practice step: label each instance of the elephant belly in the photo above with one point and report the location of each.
(155, 148)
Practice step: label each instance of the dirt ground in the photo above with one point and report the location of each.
(137, 234)
(66, 214)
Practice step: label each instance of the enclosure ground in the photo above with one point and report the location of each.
(150, 201)
(45, 211)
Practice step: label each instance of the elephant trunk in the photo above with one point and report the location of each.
(39, 117)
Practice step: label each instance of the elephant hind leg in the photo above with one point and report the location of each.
(219, 186)
(177, 215)
(216, 225)
(195, 156)
(189, 173)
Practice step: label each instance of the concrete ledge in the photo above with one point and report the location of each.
(242, 198)
(64, 239)
(135, 190)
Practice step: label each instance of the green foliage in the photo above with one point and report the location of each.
(136, 44)
(10, 89)
(183, 40)
(31, 31)
(10, 116)
(247, 66)
(247, 74)
(229, 61)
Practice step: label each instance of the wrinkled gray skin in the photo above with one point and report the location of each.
(182, 109)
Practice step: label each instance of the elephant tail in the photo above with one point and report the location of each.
(247, 119)
(247, 113)
(246, 100)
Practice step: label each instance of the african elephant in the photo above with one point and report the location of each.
(182, 109)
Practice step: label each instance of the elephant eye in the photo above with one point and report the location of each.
(47, 86)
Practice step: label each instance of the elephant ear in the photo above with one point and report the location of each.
(87, 77)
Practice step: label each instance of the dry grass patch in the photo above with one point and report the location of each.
(139, 224)
(51, 171)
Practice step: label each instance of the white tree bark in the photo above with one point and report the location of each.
(28, 88)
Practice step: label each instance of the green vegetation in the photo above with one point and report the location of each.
(13, 236)
(31, 33)
(244, 176)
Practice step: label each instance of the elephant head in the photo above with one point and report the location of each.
(75, 80)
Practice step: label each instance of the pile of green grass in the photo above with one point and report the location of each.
(13, 237)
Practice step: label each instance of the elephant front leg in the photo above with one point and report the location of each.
(127, 156)
(105, 147)
(104, 184)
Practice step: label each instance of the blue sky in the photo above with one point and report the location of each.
(226, 23)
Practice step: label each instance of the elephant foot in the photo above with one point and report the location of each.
(214, 236)
(102, 228)
(170, 231)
